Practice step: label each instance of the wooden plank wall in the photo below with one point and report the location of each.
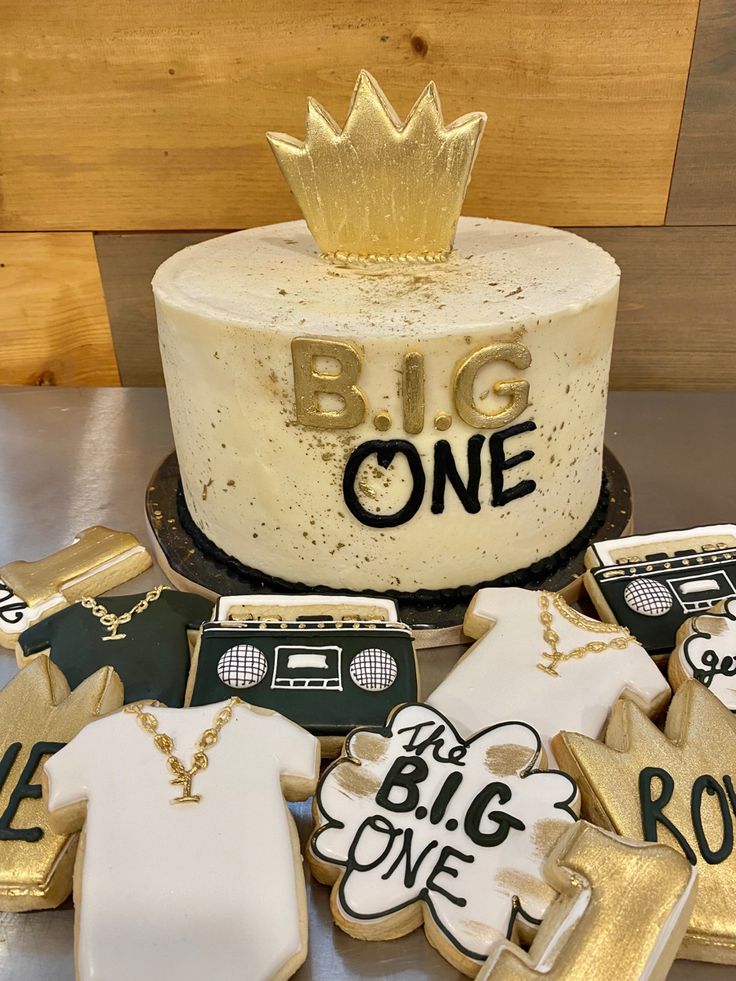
(143, 124)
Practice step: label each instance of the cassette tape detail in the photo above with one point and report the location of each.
(334, 664)
(653, 583)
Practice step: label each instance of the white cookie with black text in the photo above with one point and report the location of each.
(706, 651)
(415, 824)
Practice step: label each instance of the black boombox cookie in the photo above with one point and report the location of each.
(329, 663)
(653, 583)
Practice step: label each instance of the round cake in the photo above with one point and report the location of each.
(396, 425)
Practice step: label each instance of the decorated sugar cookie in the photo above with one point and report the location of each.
(38, 715)
(652, 583)
(416, 824)
(622, 912)
(146, 637)
(97, 560)
(675, 787)
(191, 864)
(706, 651)
(329, 663)
(535, 658)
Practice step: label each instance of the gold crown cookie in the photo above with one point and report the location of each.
(38, 715)
(674, 787)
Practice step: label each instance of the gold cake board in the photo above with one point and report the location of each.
(436, 622)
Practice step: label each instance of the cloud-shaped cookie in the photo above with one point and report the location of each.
(706, 651)
(415, 823)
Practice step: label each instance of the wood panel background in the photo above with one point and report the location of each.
(54, 321)
(144, 124)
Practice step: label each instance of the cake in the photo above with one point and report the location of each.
(356, 403)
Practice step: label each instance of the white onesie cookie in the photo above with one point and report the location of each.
(211, 887)
(537, 659)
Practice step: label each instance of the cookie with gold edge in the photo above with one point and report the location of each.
(38, 716)
(622, 912)
(674, 787)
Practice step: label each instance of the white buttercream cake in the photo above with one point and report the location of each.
(389, 422)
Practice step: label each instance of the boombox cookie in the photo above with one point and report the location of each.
(97, 560)
(329, 663)
(676, 788)
(538, 659)
(147, 637)
(706, 651)
(652, 583)
(622, 912)
(196, 877)
(416, 824)
(38, 715)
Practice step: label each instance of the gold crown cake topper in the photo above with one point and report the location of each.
(380, 189)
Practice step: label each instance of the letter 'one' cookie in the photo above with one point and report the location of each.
(538, 659)
(97, 560)
(199, 877)
(677, 788)
(622, 912)
(415, 824)
(38, 715)
(706, 651)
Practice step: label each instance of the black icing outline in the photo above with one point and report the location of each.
(531, 575)
(697, 671)
(11, 603)
(326, 822)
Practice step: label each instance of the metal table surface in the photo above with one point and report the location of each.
(76, 457)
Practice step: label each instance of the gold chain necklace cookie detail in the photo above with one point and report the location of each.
(113, 622)
(165, 744)
(551, 637)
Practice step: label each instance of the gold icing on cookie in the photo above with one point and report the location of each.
(38, 715)
(369, 746)
(506, 759)
(546, 834)
(675, 787)
(357, 780)
(519, 883)
(622, 912)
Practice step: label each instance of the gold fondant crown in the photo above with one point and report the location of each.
(379, 188)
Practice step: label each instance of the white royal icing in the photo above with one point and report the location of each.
(499, 678)
(192, 891)
(706, 650)
(466, 854)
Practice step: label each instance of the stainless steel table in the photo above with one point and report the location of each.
(71, 458)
